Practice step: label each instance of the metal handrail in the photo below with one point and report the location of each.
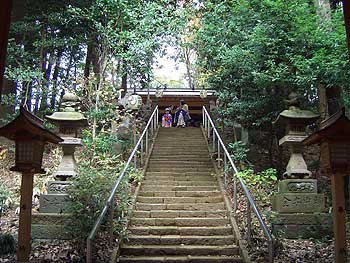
(208, 124)
(152, 124)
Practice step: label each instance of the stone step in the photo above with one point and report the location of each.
(178, 130)
(178, 221)
(183, 231)
(182, 148)
(182, 206)
(180, 178)
(186, 259)
(149, 250)
(180, 157)
(147, 182)
(179, 200)
(178, 188)
(178, 213)
(189, 154)
(191, 141)
(180, 240)
(180, 169)
(187, 166)
(181, 163)
(176, 174)
(179, 193)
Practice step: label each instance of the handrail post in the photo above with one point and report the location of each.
(146, 142)
(135, 155)
(219, 154)
(208, 131)
(270, 248)
(141, 150)
(111, 216)
(213, 142)
(234, 193)
(249, 222)
(88, 251)
(225, 171)
(203, 118)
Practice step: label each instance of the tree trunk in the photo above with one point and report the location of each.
(55, 78)
(329, 98)
(46, 87)
(187, 56)
(42, 64)
(322, 101)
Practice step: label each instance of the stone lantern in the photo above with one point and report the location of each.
(298, 206)
(69, 122)
(50, 222)
(30, 136)
(296, 121)
(334, 140)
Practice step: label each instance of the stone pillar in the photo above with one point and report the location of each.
(299, 208)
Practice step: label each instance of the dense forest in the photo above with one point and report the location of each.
(254, 53)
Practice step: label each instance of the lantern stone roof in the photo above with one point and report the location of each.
(294, 113)
(67, 116)
(28, 124)
(336, 127)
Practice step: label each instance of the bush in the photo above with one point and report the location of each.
(98, 171)
(7, 244)
(239, 151)
(262, 184)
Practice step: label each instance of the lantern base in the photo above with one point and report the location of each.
(297, 167)
(303, 225)
(299, 210)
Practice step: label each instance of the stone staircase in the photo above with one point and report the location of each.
(180, 214)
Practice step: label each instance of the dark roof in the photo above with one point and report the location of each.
(28, 123)
(336, 127)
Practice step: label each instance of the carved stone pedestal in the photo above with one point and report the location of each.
(300, 210)
(53, 217)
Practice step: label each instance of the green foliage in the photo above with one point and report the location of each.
(7, 244)
(255, 52)
(135, 175)
(239, 151)
(265, 178)
(99, 169)
(5, 199)
(57, 46)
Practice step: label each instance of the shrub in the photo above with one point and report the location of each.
(7, 244)
(98, 171)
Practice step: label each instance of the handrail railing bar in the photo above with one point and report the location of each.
(244, 188)
(98, 222)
